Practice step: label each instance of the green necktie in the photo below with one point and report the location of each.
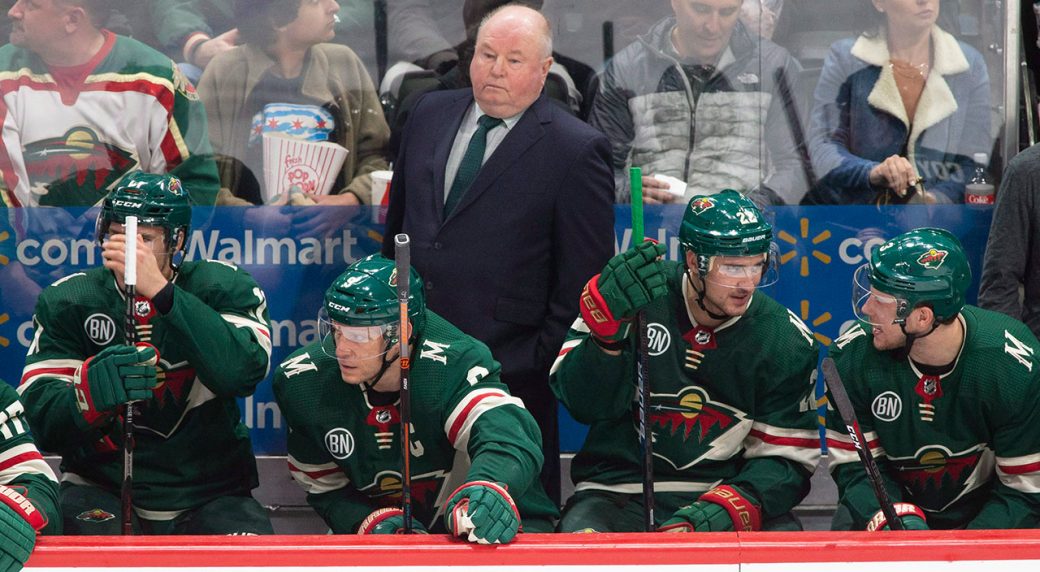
(471, 162)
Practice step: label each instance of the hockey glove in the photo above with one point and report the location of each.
(482, 512)
(116, 375)
(388, 520)
(910, 515)
(19, 521)
(723, 508)
(630, 281)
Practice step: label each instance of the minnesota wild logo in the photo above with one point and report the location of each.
(937, 476)
(76, 168)
(385, 488)
(702, 204)
(689, 425)
(393, 277)
(932, 259)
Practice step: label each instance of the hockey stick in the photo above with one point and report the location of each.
(402, 256)
(130, 331)
(848, 415)
(646, 438)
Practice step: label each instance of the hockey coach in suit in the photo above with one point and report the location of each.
(508, 200)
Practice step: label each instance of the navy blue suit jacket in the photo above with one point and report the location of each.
(507, 266)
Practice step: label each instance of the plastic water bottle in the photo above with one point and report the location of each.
(980, 190)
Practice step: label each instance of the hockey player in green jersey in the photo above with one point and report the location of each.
(209, 332)
(945, 394)
(475, 449)
(28, 488)
(731, 375)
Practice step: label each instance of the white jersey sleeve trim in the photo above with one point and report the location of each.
(469, 409)
(1020, 473)
(22, 460)
(842, 450)
(317, 479)
(799, 445)
(62, 369)
(566, 349)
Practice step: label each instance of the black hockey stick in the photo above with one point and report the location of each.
(130, 331)
(402, 256)
(848, 415)
(646, 437)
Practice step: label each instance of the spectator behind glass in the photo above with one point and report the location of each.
(1011, 268)
(903, 103)
(423, 35)
(193, 32)
(84, 107)
(286, 80)
(761, 15)
(693, 99)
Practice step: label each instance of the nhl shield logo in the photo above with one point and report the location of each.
(142, 308)
(930, 386)
(383, 416)
(702, 337)
(932, 259)
(701, 205)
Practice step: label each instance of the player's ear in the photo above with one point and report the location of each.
(923, 317)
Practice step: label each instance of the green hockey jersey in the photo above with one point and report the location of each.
(21, 465)
(729, 405)
(963, 446)
(345, 451)
(214, 345)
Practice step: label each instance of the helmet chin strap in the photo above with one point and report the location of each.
(904, 352)
(371, 383)
(700, 298)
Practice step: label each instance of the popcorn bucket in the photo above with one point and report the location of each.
(380, 194)
(294, 165)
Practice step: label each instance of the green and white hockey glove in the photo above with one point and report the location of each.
(723, 508)
(19, 521)
(114, 376)
(910, 515)
(631, 280)
(482, 512)
(388, 520)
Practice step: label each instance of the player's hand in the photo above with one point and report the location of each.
(910, 515)
(19, 522)
(630, 281)
(896, 173)
(721, 509)
(150, 279)
(482, 512)
(388, 521)
(117, 375)
(655, 191)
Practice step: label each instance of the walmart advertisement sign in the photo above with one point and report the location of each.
(295, 253)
